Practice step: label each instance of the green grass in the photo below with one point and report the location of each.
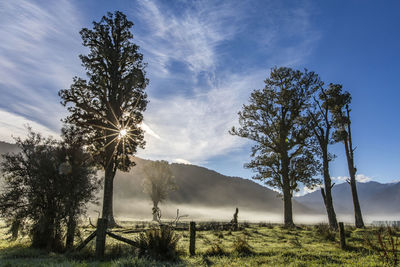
(270, 246)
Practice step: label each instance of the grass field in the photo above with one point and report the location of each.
(271, 245)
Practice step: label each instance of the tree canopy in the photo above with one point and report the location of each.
(277, 121)
(46, 184)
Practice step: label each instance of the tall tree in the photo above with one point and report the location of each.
(158, 183)
(107, 108)
(322, 124)
(277, 121)
(339, 102)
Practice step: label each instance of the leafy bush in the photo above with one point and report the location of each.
(159, 244)
(241, 246)
(46, 187)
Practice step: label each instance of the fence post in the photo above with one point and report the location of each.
(342, 236)
(101, 237)
(192, 245)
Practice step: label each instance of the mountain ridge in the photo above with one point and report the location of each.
(199, 186)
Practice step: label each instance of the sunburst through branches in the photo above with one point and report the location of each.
(120, 134)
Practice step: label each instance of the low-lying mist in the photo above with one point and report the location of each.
(138, 209)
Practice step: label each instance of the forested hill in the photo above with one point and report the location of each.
(199, 186)
(375, 198)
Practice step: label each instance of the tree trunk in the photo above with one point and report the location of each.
(353, 185)
(287, 206)
(356, 203)
(108, 196)
(155, 212)
(327, 195)
(69, 243)
(101, 237)
(287, 194)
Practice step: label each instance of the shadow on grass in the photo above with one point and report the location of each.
(20, 251)
(357, 249)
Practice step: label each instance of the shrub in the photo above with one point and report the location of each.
(46, 187)
(159, 244)
(241, 246)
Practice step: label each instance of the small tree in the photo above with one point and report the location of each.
(80, 180)
(42, 191)
(107, 109)
(158, 183)
(322, 124)
(339, 102)
(276, 120)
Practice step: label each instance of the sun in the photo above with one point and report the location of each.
(122, 133)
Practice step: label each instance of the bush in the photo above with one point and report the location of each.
(159, 244)
(46, 187)
(241, 246)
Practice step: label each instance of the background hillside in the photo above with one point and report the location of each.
(375, 198)
(206, 194)
(202, 188)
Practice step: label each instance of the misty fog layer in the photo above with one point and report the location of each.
(138, 209)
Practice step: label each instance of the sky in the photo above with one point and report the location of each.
(204, 59)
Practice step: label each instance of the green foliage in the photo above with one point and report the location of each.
(159, 244)
(268, 250)
(38, 196)
(276, 120)
(337, 102)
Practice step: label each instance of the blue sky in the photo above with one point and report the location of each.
(204, 58)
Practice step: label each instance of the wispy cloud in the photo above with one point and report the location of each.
(196, 128)
(189, 34)
(38, 56)
(193, 120)
(12, 125)
(211, 53)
